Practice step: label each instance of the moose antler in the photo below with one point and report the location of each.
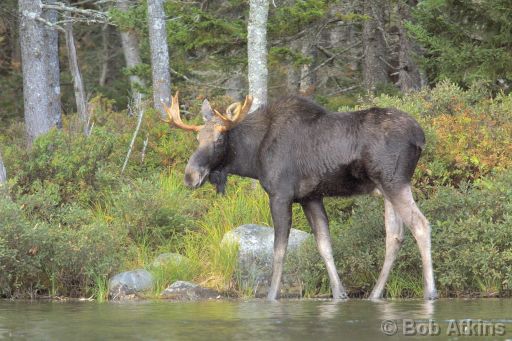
(174, 115)
(230, 119)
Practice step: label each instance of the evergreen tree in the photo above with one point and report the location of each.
(466, 41)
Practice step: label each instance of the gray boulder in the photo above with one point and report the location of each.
(167, 258)
(187, 291)
(129, 283)
(255, 252)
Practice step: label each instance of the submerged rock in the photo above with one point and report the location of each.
(187, 291)
(255, 252)
(129, 283)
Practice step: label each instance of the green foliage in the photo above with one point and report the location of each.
(39, 258)
(466, 40)
(134, 19)
(155, 210)
(67, 170)
(291, 19)
(196, 28)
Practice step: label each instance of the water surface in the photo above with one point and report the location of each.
(477, 319)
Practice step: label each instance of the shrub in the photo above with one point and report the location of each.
(20, 271)
(39, 258)
(154, 211)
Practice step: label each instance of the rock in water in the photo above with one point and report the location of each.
(129, 283)
(187, 291)
(255, 251)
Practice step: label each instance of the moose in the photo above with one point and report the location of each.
(300, 153)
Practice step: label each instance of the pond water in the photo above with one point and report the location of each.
(475, 319)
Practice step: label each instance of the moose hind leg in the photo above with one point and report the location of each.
(403, 203)
(317, 218)
(394, 239)
(281, 210)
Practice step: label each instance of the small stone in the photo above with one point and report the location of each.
(188, 291)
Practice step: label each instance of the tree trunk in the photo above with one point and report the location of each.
(292, 72)
(409, 77)
(235, 84)
(159, 55)
(52, 39)
(131, 50)
(374, 45)
(105, 54)
(257, 51)
(307, 72)
(78, 85)
(36, 76)
(3, 173)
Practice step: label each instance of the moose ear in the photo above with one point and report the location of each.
(206, 111)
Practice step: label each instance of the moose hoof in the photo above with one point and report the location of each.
(431, 296)
(340, 296)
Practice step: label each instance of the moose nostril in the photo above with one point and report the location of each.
(190, 179)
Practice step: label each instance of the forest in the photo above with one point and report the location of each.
(91, 178)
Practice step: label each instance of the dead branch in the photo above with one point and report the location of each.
(140, 110)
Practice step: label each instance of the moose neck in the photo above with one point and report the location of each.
(242, 149)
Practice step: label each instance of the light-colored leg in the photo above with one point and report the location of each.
(317, 218)
(281, 210)
(394, 239)
(403, 203)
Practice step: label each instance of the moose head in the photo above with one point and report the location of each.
(212, 137)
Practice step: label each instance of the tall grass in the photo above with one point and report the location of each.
(243, 203)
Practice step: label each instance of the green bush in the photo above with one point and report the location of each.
(20, 271)
(154, 211)
(40, 259)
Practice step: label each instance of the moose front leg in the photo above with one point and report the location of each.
(317, 218)
(281, 209)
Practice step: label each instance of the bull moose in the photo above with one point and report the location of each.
(300, 153)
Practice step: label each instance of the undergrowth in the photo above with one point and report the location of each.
(71, 220)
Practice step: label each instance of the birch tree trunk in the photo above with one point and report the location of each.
(3, 173)
(374, 45)
(78, 85)
(159, 55)
(131, 50)
(257, 51)
(37, 94)
(52, 39)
